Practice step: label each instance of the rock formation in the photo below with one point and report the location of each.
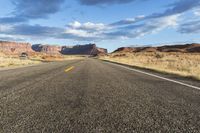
(18, 48)
(48, 49)
(187, 48)
(15, 48)
(88, 49)
(101, 51)
(181, 48)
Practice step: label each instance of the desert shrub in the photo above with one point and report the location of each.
(159, 55)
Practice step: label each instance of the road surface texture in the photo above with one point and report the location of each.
(83, 96)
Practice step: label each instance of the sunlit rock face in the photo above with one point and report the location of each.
(18, 48)
(15, 48)
(88, 49)
(186, 48)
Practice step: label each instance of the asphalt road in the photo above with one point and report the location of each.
(94, 96)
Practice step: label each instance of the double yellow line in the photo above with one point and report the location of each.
(69, 69)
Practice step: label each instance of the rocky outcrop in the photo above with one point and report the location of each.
(187, 48)
(18, 48)
(125, 49)
(15, 48)
(101, 51)
(181, 48)
(48, 49)
(88, 49)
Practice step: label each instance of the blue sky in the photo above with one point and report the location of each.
(108, 23)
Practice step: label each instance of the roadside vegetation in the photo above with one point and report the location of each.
(56, 57)
(15, 60)
(184, 64)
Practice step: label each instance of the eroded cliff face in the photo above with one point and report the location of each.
(18, 48)
(15, 48)
(187, 48)
(99, 51)
(88, 49)
(48, 49)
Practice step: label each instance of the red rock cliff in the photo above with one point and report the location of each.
(15, 48)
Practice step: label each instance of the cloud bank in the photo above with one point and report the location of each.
(137, 26)
(32, 9)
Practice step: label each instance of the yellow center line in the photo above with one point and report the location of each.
(69, 69)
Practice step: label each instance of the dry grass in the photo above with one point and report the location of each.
(184, 64)
(14, 60)
(49, 58)
(10, 62)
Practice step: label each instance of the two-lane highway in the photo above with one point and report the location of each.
(94, 96)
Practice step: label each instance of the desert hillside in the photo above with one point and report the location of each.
(183, 60)
(186, 48)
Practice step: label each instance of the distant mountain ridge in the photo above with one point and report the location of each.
(186, 48)
(87, 49)
(18, 48)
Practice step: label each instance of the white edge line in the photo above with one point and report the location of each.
(153, 75)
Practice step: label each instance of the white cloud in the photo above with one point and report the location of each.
(103, 31)
(4, 28)
(98, 26)
(5, 37)
(129, 20)
(86, 30)
(94, 31)
(169, 21)
(74, 24)
(87, 26)
(197, 12)
(79, 33)
(162, 23)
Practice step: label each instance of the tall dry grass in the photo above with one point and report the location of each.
(184, 64)
(10, 62)
(14, 60)
(58, 57)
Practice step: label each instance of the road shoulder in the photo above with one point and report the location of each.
(187, 80)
